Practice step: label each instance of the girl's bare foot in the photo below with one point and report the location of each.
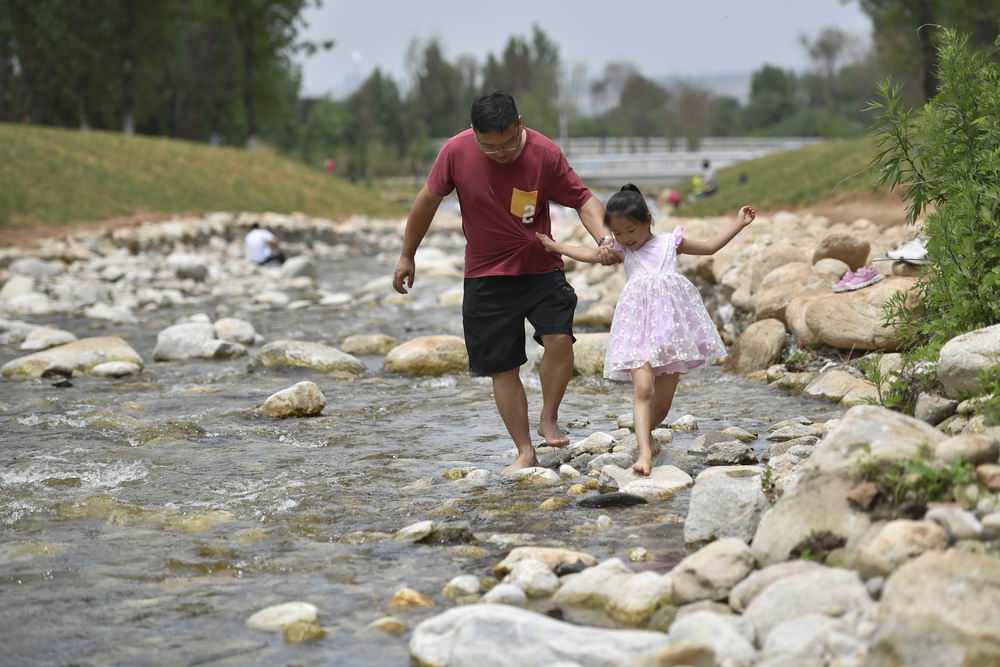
(522, 461)
(644, 465)
(554, 437)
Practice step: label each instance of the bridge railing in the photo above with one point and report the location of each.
(632, 145)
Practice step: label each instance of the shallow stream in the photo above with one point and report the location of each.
(144, 519)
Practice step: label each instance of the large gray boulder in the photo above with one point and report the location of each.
(782, 285)
(853, 320)
(588, 354)
(964, 356)
(187, 266)
(235, 330)
(36, 268)
(299, 266)
(758, 347)
(626, 596)
(300, 400)
(830, 591)
(817, 500)
(187, 340)
(42, 338)
(730, 636)
(727, 501)
(77, 357)
(308, 355)
(942, 608)
(875, 431)
(428, 355)
(494, 635)
(846, 247)
(711, 572)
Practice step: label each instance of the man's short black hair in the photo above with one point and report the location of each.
(493, 112)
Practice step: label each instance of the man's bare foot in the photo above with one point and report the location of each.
(554, 437)
(523, 461)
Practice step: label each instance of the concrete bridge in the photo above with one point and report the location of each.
(661, 161)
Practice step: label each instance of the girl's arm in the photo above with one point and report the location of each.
(579, 253)
(710, 246)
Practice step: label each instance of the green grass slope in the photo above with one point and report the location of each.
(52, 176)
(830, 173)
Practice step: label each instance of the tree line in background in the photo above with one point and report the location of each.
(223, 70)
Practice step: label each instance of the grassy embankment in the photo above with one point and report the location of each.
(830, 174)
(52, 176)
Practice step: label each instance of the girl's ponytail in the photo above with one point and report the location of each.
(628, 203)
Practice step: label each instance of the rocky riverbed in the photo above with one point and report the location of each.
(207, 461)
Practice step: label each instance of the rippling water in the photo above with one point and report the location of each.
(145, 519)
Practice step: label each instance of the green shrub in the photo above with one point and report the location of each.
(912, 483)
(989, 380)
(897, 390)
(947, 157)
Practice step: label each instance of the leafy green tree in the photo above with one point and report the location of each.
(905, 32)
(528, 70)
(643, 110)
(773, 97)
(439, 99)
(947, 157)
(266, 32)
(727, 117)
(378, 127)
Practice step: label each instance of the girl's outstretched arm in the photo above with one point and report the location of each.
(579, 253)
(711, 246)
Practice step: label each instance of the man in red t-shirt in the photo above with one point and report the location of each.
(506, 175)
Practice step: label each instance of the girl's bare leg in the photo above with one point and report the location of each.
(664, 387)
(643, 386)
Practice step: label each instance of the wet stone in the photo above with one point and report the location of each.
(730, 453)
(408, 598)
(615, 499)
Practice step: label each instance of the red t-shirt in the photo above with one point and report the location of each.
(503, 205)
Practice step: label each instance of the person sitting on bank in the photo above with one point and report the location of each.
(705, 183)
(263, 247)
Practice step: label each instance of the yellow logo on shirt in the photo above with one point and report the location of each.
(522, 204)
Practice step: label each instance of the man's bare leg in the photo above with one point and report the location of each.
(555, 370)
(512, 404)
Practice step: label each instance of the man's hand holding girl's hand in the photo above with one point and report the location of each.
(746, 215)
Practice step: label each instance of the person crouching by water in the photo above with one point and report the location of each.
(263, 247)
(661, 329)
(505, 175)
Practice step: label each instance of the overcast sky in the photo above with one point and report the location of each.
(664, 38)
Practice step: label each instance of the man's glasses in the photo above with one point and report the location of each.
(493, 150)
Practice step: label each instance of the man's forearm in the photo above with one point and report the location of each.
(418, 222)
(592, 216)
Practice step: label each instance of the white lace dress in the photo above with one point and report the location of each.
(660, 317)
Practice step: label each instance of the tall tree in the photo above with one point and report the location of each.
(266, 32)
(826, 50)
(917, 22)
(439, 95)
(528, 69)
(773, 97)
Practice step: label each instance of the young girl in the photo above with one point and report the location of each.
(661, 329)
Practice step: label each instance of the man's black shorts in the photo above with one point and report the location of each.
(494, 310)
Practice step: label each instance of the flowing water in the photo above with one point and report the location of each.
(144, 519)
